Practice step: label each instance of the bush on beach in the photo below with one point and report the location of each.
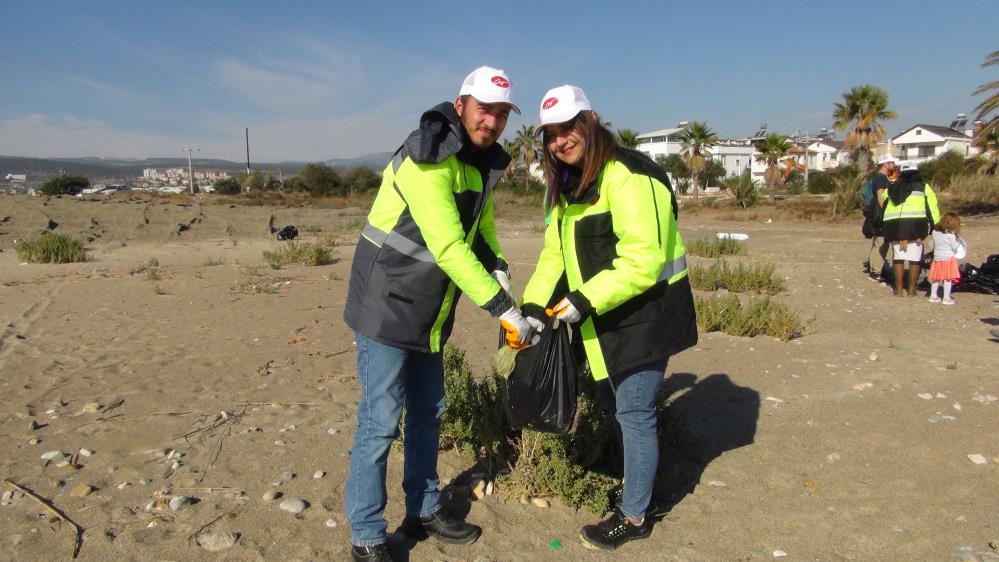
(51, 248)
(714, 247)
(299, 252)
(758, 278)
(762, 316)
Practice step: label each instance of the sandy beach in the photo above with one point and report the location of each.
(220, 379)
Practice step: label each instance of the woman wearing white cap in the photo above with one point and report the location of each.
(613, 265)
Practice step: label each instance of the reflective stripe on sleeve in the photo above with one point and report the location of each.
(397, 242)
(672, 268)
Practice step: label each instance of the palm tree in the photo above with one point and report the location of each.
(989, 105)
(513, 149)
(696, 140)
(772, 149)
(987, 141)
(865, 107)
(529, 148)
(627, 138)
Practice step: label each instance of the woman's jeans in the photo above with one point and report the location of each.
(390, 378)
(630, 399)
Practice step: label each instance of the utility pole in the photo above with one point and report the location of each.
(190, 171)
(247, 151)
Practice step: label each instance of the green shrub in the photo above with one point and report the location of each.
(714, 247)
(227, 186)
(743, 190)
(758, 278)
(299, 252)
(474, 420)
(761, 316)
(65, 185)
(820, 183)
(51, 248)
(941, 171)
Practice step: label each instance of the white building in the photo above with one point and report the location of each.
(660, 143)
(17, 178)
(920, 143)
(825, 154)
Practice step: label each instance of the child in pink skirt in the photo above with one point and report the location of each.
(948, 247)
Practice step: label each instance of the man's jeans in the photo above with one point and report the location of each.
(630, 399)
(391, 377)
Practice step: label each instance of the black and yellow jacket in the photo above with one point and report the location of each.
(616, 253)
(910, 208)
(430, 235)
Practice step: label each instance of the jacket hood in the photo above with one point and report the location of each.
(442, 135)
(908, 181)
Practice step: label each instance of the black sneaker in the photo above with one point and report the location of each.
(614, 531)
(442, 526)
(377, 553)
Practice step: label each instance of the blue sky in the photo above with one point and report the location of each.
(323, 80)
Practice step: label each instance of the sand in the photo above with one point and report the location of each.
(821, 448)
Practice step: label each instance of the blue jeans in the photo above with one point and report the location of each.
(630, 399)
(391, 377)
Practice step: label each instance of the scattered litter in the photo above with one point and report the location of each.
(718, 484)
(555, 544)
(938, 417)
(777, 400)
(779, 553)
(862, 386)
(925, 396)
(732, 236)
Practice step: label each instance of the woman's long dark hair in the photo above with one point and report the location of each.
(599, 147)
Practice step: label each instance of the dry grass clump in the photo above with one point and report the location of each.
(715, 247)
(299, 252)
(51, 248)
(974, 195)
(757, 278)
(761, 316)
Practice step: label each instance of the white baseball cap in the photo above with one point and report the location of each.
(489, 85)
(562, 104)
(886, 159)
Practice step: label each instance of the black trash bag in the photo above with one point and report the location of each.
(541, 392)
(288, 233)
(984, 279)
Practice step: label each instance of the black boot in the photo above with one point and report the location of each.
(442, 526)
(377, 553)
(614, 531)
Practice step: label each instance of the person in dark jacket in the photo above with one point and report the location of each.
(910, 208)
(613, 266)
(430, 236)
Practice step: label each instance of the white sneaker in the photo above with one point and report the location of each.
(934, 299)
(948, 301)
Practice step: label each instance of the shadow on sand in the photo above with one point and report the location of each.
(703, 419)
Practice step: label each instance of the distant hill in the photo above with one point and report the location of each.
(94, 167)
(376, 161)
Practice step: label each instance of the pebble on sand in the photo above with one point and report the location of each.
(978, 459)
(51, 455)
(318, 474)
(925, 396)
(717, 484)
(293, 506)
(217, 541)
(86, 453)
(540, 502)
(178, 503)
(862, 386)
(81, 491)
(331, 523)
(271, 495)
(779, 554)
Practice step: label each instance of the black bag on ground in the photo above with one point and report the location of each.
(541, 392)
(288, 233)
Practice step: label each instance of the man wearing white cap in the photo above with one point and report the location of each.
(429, 237)
(874, 191)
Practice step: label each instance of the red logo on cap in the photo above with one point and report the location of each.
(549, 103)
(501, 82)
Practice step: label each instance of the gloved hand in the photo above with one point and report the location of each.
(538, 325)
(503, 278)
(518, 329)
(565, 312)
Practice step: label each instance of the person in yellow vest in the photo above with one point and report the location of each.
(613, 266)
(430, 236)
(910, 209)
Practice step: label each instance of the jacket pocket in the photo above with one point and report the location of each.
(596, 244)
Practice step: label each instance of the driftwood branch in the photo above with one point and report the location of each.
(58, 515)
